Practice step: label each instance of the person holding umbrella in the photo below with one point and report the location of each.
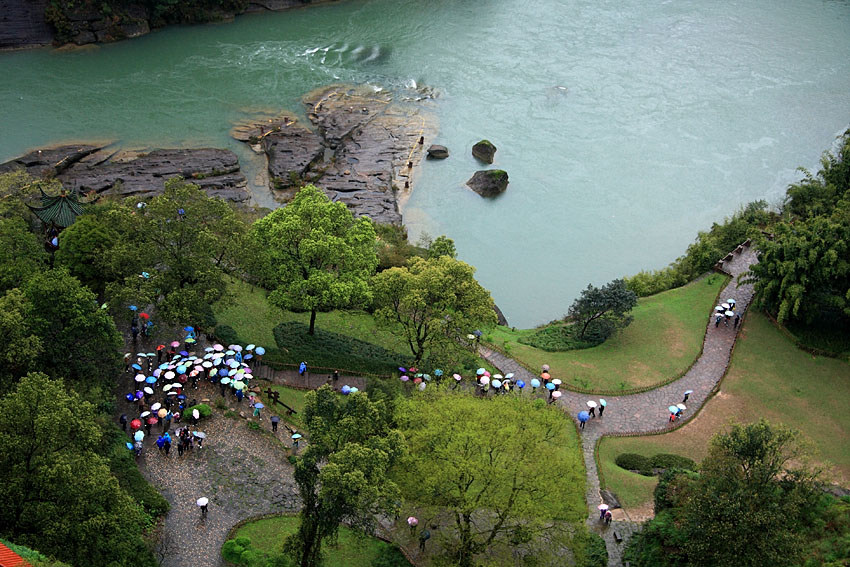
(583, 416)
(202, 504)
(592, 408)
(602, 509)
(257, 407)
(602, 404)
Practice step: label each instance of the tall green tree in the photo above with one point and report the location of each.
(432, 304)
(20, 347)
(609, 304)
(496, 467)
(343, 474)
(57, 494)
(315, 255)
(21, 253)
(83, 247)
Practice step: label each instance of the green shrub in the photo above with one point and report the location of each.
(232, 550)
(292, 459)
(634, 462)
(253, 425)
(221, 404)
(330, 350)
(231, 414)
(203, 409)
(670, 461)
(390, 556)
(124, 468)
(596, 553)
(671, 488)
(559, 337)
(226, 335)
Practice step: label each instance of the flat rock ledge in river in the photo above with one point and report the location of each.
(489, 182)
(361, 150)
(123, 174)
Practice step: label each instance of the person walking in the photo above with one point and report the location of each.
(123, 421)
(302, 368)
(581, 424)
(128, 358)
(717, 319)
(592, 412)
(257, 411)
(608, 517)
(737, 320)
(335, 378)
(687, 394)
(202, 504)
(275, 420)
(239, 396)
(601, 407)
(424, 536)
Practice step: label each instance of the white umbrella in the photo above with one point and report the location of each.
(203, 501)
(730, 313)
(591, 404)
(156, 406)
(602, 507)
(681, 406)
(724, 305)
(556, 382)
(719, 308)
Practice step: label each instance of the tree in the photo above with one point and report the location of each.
(315, 254)
(20, 348)
(482, 462)
(610, 303)
(751, 505)
(342, 475)
(432, 304)
(21, 253)
(78, 339)
(442, 246)
(82, 249)
(57, 494)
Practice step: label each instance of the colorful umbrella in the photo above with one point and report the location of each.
(296, 436)
(144, 414)
(550, 386)
(139, 435)
(412, 521)
(520, 384)
(218, 347)
(144, 316)
(130, 397)
(557, 394)
(260, 350)
(496, 384)
(354, 390)
(457, 377)
(405, 377)
(422, 386)
(602, 507)
(129, 445)
(535, 383)
(135, 424)
(151, 379)
(199, 434)
(484, 380)
(156, 406)
(259, 405)
(251, 346)
(136, 366)
(673, 409)
(346, 390)
(133, 308)
(556, 382)
(188, 329)
(681, 406)
(481, 371)
(175, 344)
(152, 420)
(583, 416)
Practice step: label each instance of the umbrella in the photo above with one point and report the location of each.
(591, 404)
(417, 380)
(140, 378)
(162, 412)
(156, 406)
(557, 394)
(152, 420)
(133, 308)
(497, 376)
(218, 348)
(260, 350)
(602, 402)
(223, 372)
(405, 377)
(731, 301)
(354, 390)
(484, 380)
(225, 380)
(296, 436)
(199, 434)
(160, 347)
(151, 379)
(496, 383)
(141, 354)
(188, 329)
(139, 394)
(196, 414)
(136, 366)
(239, 385)
(251, 346)
(209, 349)
(189, 341)
(509, 375)
(207, 364)
(130, 397)
(602, 507)
(144, 414)
(673, 409)
(166, 387)
(724, 305)
(175, 344)
(144, 316)
(681, 406)
(456, 377)
(520, 383)
(689, 392)
(171, 393)
(550, 386)
(169, 375)
(412, 521)
(535, 383)
(202, 501)
(545, 368)
(135, 424)
(183, 353)
(151, 354)
(729, 313)
(422, 386)
(438, 372)
(346, 390)
(148, 390)
(583, 416)
(545, 376)
(719, 308)
(139, 435)
(129, 445)
(426, 376)
(481, 371)
(230, 352)
(237, 348)
(259, 405)
(556, 382)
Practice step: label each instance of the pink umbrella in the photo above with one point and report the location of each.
(218, 348)
(175, 343)
(556, 394)
(412, 521)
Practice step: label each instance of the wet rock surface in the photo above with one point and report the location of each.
(94, 168)
(489, 183)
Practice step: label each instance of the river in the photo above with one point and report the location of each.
(625, 126)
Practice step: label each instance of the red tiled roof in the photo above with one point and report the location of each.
(9, 558)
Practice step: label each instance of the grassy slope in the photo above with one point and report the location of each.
(769, 377)
(350, 551)
(663, 340)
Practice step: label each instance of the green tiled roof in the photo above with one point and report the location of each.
(60, 210)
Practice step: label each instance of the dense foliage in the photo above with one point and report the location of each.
(751, 505)
(803, 272)
(603, 310)
(480, 464)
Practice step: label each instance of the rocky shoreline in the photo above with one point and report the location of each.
(361, 148)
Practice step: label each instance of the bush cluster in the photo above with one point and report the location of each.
(645, 465)
(559, 337)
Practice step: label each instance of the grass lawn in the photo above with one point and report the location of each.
(254, 319)
(662, 341)
(769, 377)
(267, 535)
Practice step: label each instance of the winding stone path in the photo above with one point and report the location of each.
(647, 412)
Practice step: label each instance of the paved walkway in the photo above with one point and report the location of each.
(647, 412)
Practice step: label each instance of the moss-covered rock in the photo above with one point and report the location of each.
(489, 183)
(484, 150)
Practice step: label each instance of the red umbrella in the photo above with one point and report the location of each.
(160, 347)
(182, 378)
(135, 424)
(144, 316)
(152, 420)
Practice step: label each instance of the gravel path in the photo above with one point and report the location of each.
(647, 412)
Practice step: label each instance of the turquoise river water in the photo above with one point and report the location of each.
(625, 126)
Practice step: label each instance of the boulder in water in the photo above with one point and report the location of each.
(484, 150)
(489, 183)
(438, 152)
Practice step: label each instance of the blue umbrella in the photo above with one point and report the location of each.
(402, 369)
(481, 371)
(248, 356)
(535, 383)
(296, 436)
(181, 369)
(496, 383)
(259, 405)
(354, 390)
(251, 346)
(183, 353)
(260, 350)
(438, 372)
(139, 436)
(163, 366)
(145, 275)
(150, 380)
(130, 397)
(673, 409)
(133, 308)
(137, 367)
(689, 392)
(550, 386)
(583, 416)
(189, 329)
(477, 333)
(602, 402)
(128, 445)
(520, 384)
(223, 372)
(139, 394)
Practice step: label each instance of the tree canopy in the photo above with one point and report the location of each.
(343, 474)
(315, 255)
(432, 304)
(494, 467)
(57, 494)
(605, 307)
